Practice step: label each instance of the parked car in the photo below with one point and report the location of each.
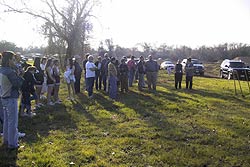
(239, 68)
(198, 66)
(167, 64)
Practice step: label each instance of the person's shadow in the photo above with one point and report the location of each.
(8, 157)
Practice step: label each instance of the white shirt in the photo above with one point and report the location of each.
(90, 73)
(99, 65)
(42, 66)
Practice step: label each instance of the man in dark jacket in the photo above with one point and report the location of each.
(178, 74)
(78, 74)
(98, 76)
(141, 73)
(189, 69)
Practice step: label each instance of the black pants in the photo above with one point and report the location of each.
(77, 84)
(178, 79)
(1, 112)
(124, 83)
(90, 84)
(104, 81)
(189, 82)
(98, 81)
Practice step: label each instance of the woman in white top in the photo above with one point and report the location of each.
(70, 78)
(90, 75)
(44, 86)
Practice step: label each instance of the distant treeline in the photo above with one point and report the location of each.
(204, 53)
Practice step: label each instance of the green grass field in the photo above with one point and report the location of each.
(207, 126)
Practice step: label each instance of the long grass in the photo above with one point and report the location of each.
(206, 126)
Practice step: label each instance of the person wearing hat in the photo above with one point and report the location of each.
(123, 74)
(152, 69)
(141, 73)
(189, 69)
(10, 84)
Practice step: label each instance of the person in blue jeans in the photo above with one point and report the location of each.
(90, 75)
(1, 114)
(10, 84)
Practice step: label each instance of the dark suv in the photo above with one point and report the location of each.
(239, 68)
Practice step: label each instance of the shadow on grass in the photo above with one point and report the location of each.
(8, 157)
(81, 108)
(225, 97)
(49, 118)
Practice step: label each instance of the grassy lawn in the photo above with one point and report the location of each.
(208, 126)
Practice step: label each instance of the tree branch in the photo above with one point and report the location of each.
(61, 14)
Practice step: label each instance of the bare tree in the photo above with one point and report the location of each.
(67, 21)
(110, 46)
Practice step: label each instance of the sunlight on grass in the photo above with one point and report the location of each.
(205, 126)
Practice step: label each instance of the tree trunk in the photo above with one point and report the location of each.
(69, 50)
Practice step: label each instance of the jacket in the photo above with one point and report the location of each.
(10, 83)
(141, 67)
(29, 82)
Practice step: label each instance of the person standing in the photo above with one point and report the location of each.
(141, 73)
(123, 71)
(90, 75)
(178, 74)
(77, 73)
(50, 80)
(56, 73)
(84, 68)
(10, 83)
(152, 69)
(131, 68)
(1, 106)
(98, 76)
(39, 76)
(70, 78)
(28, 89)
(1, 114)
(104, 71)
(44, 86)
(189, 69)
(112, 75)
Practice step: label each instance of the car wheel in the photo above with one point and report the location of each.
(202, 74)
(221, 74)
(229, 76)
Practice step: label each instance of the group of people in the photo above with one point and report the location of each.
(33, 81)
(189, 70)
(114, 75)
